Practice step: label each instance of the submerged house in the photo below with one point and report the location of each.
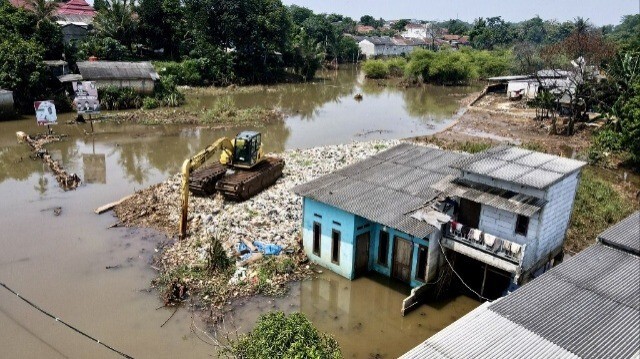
(140, 76)
(502, 214)
(587, 307)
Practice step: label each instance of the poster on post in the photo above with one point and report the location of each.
(45, 113)
(86, 100)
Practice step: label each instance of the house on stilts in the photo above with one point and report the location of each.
(497, 218)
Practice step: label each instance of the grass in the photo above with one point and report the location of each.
(224, 111)
(598, 205)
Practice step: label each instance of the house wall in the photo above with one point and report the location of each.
(502, 224)
(556, 214)
(330, 218)
(142, 86)
(6, 103)
(367, 48)
(73, 33)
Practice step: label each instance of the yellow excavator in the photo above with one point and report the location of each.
(241, 172)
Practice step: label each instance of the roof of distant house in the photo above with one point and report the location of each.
(113, 70)
(76, 7)
(520, 166)
(625, 235)
(587, 307)
(386, 187)
(379, 40)
(24, 4)
(364, 28)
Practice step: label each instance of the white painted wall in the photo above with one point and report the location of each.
(367, 48)
(556, 214)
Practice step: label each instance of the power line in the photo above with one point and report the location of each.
(458, 275)
(65, 323)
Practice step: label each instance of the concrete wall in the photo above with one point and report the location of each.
(556, 214)
(367, 48)
(6, 104)
(329, 218)
(141, 86)
(73, 33)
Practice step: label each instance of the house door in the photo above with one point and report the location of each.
(469, 213)
(362, 254)
(402, 252)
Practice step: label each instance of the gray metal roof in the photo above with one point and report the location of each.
(624, 235)
(491, 196)
(520, 166)
(116, 70)
(386, 187)
(587, 307)
(70, 78)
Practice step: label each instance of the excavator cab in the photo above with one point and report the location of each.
(247, 149)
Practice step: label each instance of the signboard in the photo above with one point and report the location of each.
(45, 113)
(86, 100)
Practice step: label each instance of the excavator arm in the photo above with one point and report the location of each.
(193, 163)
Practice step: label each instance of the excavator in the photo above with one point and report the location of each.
(241, 172)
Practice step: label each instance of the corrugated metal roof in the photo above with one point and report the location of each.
(116, 70)
(484, 334)
(386, 187)
(587, 307)
(624, 235)
(520, 166)
(491, 196)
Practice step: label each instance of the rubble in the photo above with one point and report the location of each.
(273, 216)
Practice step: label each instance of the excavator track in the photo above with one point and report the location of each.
(245, 183)
(202, 182)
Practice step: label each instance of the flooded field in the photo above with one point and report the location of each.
(58, 253)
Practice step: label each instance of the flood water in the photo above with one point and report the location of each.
(60, 261)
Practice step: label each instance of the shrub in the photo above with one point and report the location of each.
(396, 66)
(149, 103)
(418, 67)
(116, 98)
(375, 69)
(167, 93)
(277, 335)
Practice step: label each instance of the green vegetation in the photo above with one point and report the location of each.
(225, 111)
(277, 335)
(597, 206)
(442, 67)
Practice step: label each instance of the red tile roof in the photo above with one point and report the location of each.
(75, 7)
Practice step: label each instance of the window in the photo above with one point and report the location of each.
(383, 248)
(522, 225)
(335, 246)
(317, 233)
(422, 263)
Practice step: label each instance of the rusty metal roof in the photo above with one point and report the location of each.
(491, 196)
(624, 235)
(386, 187)
(520, 166)
(116, 70)
(587, 307)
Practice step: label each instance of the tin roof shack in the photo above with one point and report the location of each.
(140, 76)
(503, 211)
(6, 104)
(511, 210)
(587, 307)
(359, 218)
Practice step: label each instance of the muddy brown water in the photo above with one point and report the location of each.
(60, 261)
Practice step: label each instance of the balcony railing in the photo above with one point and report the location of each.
(485, 242)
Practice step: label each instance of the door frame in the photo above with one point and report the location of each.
(358, 271)
(394, 273)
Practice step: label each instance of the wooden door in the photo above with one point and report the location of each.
(362, 254)
(402, 253)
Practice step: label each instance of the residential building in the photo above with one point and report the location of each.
(417, 31)
(377, 46)
(587, 307)
(405, 211)
(364, 29)
(140, 76)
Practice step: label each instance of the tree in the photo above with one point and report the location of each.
(492, 32)
(368, 20)
(49, 34)
(627, 34)
(22, 69)
(307, 55)
(279, 336)
(400, 24)
(533, 31)
(299, 14)
(44, 10)
(161, 25)
(455, 26)
(117, 22)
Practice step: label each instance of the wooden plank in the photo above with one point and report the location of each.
(109, 206)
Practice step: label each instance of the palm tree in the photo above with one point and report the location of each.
(117, 21)
(44, 10)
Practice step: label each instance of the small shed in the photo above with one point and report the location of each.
(6, 103)
(140, 76)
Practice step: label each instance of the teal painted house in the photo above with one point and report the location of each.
(360, 218)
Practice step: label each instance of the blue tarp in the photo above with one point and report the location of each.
(267, 249)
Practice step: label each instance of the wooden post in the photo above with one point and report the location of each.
(186, 171)
(484, 279)
(91, 120)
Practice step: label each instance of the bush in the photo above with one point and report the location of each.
(279, 336)
(418, 67)
(167, 93)
(105, 48)
(450, 68)
(375, 69)
(396, 66)
(149, 103)
(200, 71)
(116, 98)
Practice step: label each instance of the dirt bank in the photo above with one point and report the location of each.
(273, 216)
